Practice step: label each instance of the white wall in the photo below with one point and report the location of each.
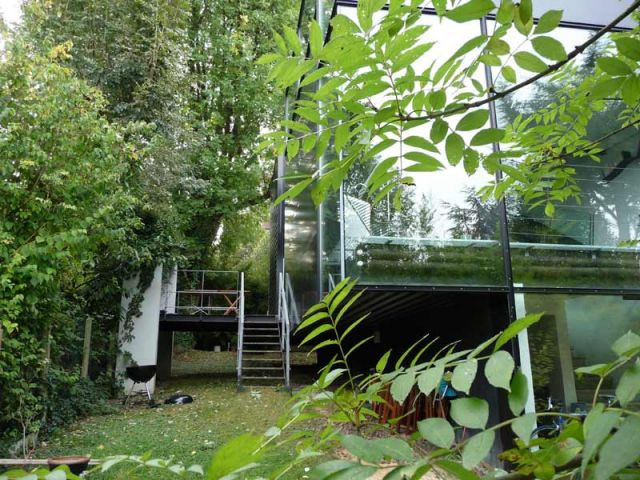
(143, 346)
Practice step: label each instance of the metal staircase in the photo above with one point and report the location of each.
(264, 341)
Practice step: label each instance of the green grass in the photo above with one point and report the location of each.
(190, 433)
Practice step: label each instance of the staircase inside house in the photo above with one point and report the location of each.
(262, 359)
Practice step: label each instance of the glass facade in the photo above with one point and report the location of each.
(576, 331)
(574, 266)
(582, 245)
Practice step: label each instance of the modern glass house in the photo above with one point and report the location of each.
(449, 265)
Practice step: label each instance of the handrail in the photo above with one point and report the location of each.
(295, 318)
(285, 334)
(240, 327)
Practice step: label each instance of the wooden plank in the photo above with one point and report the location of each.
(86, 348)
(34, 461)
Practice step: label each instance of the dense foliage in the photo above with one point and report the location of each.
(127, 133)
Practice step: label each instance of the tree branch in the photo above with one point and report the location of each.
(552, 68)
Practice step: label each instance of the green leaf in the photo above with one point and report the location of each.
(614, 66)
(471, 161)
(312, 316)
(341, 136)
(402, 385)
(549, 48)
(292, 39)
(519, 393)
(362, 448)
(324, 470)
(498, 46)
(487, 136)
(437, 431)
(268, 58)
(477, 448)
(499, 369)
(454, 148)
(439, 130)
(382, 363)
(294, 191)
(293, 147)
(470, 412)
(473, 120)
(597, 426)
(421, 142)
(505, 12)
(515, 328)
(548, 22)
(464, 375)
(530, 62)
(509, 74)
(318, 331)
(234, 455)
(457, 470)
(626, 344)
(629, 385)
(525, 11)
(629, 47)
(394, 449)
(523, 427)
(430, 379)
(426, 163)
(621, 450)
(315, 38)
(471, 10)
(437, 99)
(631, 90)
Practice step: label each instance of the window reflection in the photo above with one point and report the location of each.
(576, 331)
(583, 244)
(438, 234)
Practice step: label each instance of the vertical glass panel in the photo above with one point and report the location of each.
(576, 331)
(583, 244)
(440, 234)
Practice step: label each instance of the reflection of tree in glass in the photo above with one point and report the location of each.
(610, 203)
(412, 216)
(476, 220)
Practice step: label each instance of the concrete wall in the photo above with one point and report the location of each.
(142, 347)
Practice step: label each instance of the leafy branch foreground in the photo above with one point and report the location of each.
(335, 412)
(377, 90)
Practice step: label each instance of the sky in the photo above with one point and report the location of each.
(10, 10)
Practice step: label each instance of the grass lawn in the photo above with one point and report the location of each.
(190, 433)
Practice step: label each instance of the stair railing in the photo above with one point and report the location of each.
(295, 317)
(240, 326)
(285, 329)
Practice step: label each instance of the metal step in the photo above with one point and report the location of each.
(263, 378)
(262, 368)
(263, 351)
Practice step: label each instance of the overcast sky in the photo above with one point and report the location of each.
(10, 10)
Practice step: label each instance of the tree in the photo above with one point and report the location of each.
(373, 97)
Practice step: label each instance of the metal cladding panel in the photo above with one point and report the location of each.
(589, 12)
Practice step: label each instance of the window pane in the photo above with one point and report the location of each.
(576, 331)
(439, 234)
(582, 245)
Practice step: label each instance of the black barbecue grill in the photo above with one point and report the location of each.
(140, 374)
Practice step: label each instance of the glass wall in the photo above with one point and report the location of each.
(582, 245)
(441, 234)
(576, 331)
